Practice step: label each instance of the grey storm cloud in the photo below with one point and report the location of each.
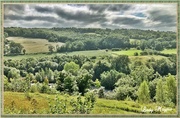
(14, 7)
(162, 16)
(98, 8)
(109, 7)
(93, 15)
(120, 7)
(127, 20)
(80, 16)
(30, 18)
(43, 9)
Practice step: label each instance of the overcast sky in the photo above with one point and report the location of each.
(137, 16)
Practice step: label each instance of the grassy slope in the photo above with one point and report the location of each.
(170, 51)
(127, 52)
(102, 106)
(34, 45)
(90, 53)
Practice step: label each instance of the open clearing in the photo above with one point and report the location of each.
(34, 45)
(91, 53)
(169, 51)
(102, 106)
(127, 52)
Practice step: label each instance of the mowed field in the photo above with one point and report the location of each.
(34, 45)
(102, 106)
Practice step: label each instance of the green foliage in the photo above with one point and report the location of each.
(164, 66)
(24, 51)
(44, 88)
(84, 106)
(70, 84)
(99, 67)
(97, 83)
(142, 73)
(13, 73)
(71, 67)
(34, 88)
(121, 64)
(143, 93)
(161, 93)
(136, 54)
(78, 106)
(101, 92)
(46, 81)
(109, 78)
(59, 106)
(125, 86)
(171, 88)
(87, 65)
(51, 48)
(84, 80)
(153, 86)
(7, 85)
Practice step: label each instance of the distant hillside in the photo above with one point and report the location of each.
(78, 39)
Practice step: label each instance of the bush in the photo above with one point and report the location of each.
(116, 49)
(110, 95)
(144, 53)
(138, 48)
(135, 54)
(52, 91)
(101, 92)
(33, 89)
(44, 89)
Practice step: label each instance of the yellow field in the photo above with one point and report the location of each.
(22, 105)
(34, 45)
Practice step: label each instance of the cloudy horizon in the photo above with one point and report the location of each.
(162, 17)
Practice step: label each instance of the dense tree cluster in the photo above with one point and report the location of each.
(78, 74)
(10, 47)
(77, 39)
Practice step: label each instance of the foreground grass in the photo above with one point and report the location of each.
(17, 103)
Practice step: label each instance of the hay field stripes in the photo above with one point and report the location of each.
(34, 45)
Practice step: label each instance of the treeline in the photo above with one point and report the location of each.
(77, 39)
(79, 74)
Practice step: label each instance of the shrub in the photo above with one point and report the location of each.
(144, 53)
(135, 54)
(138, 48)
(115, 49)
(110, 95)
(44, 89)
(33, 89)
(101, 92)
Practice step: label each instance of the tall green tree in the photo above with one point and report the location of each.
(171, 88)
(121, 64)
(143, 93)
(109, 78)
(141, 73)
(161, 95)
(84, 80)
